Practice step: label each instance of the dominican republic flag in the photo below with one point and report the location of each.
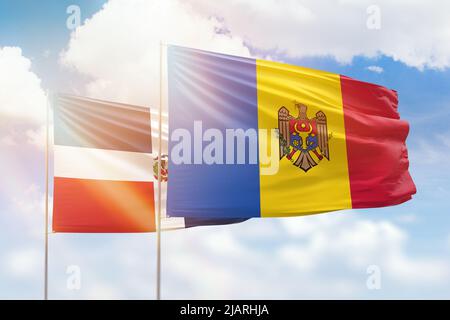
(104, 181)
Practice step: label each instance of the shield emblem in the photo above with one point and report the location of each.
(303, 140)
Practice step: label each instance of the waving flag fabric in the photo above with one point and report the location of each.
(104, 170)
(254, 138)
(103, 177)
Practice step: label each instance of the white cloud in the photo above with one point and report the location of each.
(28, 207)
(31, 201)
(21, 95)
(23, 102)
(376, 69)
(119, 47)
(327, 259)
(307, 257)
(47, 53)
(22, 263)
(431, 271)
(359, 243)
(103, 292)
(8, 140)
(22, 114)
(339, 28)
(431, 151)
(37, 136)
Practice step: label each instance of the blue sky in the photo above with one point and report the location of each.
(106, 59)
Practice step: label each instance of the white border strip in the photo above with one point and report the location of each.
(101, 164)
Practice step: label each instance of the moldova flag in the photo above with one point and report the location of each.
(254, 138)
(104, 177)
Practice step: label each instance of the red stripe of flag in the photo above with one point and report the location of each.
(376, 151)
(100, 206)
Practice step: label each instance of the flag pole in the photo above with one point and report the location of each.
(158, 224)
(46, 198)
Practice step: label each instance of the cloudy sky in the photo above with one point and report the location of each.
(113, 54)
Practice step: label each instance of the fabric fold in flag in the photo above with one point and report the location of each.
(254, 138)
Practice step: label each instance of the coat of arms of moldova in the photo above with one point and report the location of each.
(303, 140)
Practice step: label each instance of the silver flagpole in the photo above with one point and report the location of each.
(46, 198)
(158, 224)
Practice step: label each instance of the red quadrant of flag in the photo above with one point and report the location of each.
(103, 206)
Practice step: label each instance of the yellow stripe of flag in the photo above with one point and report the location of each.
(291, 191)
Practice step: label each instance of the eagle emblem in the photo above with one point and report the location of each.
(303, 140)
